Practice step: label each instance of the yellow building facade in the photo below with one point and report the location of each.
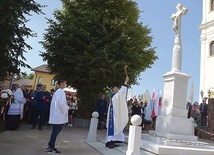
(43, 76)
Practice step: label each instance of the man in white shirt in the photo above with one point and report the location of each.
(58, 115)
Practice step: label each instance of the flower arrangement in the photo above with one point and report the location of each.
(6, 97)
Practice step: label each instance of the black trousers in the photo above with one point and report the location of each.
(12, 122)
(40, 115)
(55, 131)
(32, 114)
(46, 117)
(204, 120)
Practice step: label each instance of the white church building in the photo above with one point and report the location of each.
(207, 50)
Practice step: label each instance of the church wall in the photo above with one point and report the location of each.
(207, 61)
(210, 16)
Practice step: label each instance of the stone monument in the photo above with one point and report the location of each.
(174, 133)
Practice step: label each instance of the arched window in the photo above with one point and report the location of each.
(212, 5)
(212, 48)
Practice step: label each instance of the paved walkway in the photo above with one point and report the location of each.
(71, 140)
(26, 141)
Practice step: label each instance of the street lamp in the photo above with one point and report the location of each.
(202, 93)
(209, 93)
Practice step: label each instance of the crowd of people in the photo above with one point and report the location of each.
(135, 107)
(30, 106)
(198, 113)
(40, 107)
(140, 108)
(37, 107)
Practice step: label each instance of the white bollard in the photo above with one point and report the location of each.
(134, 136)
(92, 134)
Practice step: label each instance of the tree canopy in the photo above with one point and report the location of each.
(24, 75)
(13, 33)
(90, 41)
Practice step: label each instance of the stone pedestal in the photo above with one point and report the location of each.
(174, 132)
(134, 136)
(173, 115)
(92, 134)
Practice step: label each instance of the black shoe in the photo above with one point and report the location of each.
(53, 151)
(57, 151)
(111, 146)
(48, 148)
(33, 127)
(40, 128)
(116, 145)
(107, 144)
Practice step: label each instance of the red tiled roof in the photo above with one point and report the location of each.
(42, 68)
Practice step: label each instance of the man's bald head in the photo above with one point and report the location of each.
(115, 89)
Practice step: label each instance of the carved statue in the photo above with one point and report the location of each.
(177, 50)
(176, 17)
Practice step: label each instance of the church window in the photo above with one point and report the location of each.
(212, 49)
(40, 80)
(53, 82)
(212, 5)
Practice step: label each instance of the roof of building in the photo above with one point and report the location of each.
(26, 82)
(42, 68)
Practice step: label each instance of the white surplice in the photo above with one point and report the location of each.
(59, 108)
(120, 114)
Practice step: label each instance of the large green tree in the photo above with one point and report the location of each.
(90, 42)
(13, 33)
(24, 75)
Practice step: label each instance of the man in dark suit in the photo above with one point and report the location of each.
(40, 107)
(101, 108)
(203, 109)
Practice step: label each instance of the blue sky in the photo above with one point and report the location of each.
(156, 15)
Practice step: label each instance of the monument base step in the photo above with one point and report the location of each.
(174, 142)
(174, 150)
(121, 150)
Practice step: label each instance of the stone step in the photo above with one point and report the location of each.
(174, 142)
(121, 150)
(174, 150)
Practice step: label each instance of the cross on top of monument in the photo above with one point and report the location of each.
(176, 17)
(177, 50)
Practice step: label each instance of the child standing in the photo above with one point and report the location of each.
(71, 112)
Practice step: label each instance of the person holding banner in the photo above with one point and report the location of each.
(117, 117)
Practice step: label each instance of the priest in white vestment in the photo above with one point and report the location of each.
(15, 110)
(117, 117)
